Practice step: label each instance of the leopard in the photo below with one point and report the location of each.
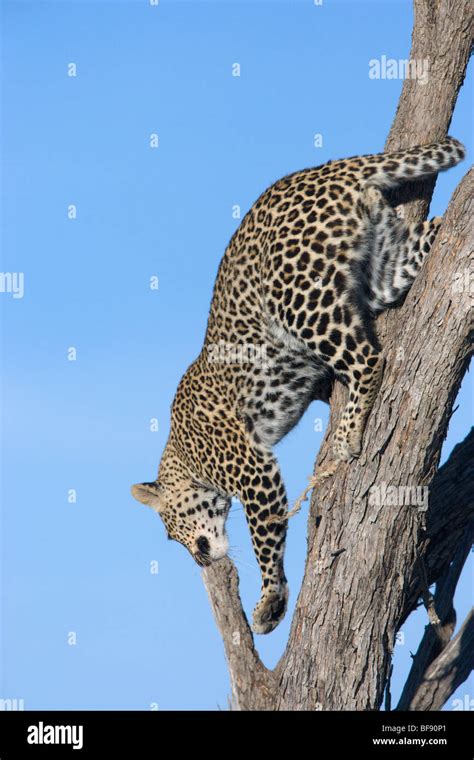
(320, 254)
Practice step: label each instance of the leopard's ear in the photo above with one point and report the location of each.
(148, 493)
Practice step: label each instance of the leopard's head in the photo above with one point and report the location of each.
(194, 514)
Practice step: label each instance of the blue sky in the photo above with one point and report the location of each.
(146, 638)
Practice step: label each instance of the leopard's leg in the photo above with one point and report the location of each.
(263, 496)
(396, 254)
(411, 255)
(364, 381)
(396, 249)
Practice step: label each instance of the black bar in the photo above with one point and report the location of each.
(314, 735)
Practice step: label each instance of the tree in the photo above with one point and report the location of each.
(367, 564)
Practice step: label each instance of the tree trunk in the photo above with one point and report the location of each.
(368, 562)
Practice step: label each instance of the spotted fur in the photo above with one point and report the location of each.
(317, 257)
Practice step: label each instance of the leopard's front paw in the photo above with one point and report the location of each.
(270, 610)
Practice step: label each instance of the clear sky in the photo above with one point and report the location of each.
(85, 623)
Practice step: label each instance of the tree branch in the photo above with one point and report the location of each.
(436, 637)
(442, 37)
(252, 683)
(448, 671)
(450, 517)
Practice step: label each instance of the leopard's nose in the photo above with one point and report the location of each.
(203, 545)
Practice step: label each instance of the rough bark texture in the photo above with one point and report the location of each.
(253, 686)
(442, 36)
(368, 563)
(448, 671)
(437, 637)
(450, 527)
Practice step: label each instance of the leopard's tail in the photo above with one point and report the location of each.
(387, 170)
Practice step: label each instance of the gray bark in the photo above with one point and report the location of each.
(437, 637)
(448, 671)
